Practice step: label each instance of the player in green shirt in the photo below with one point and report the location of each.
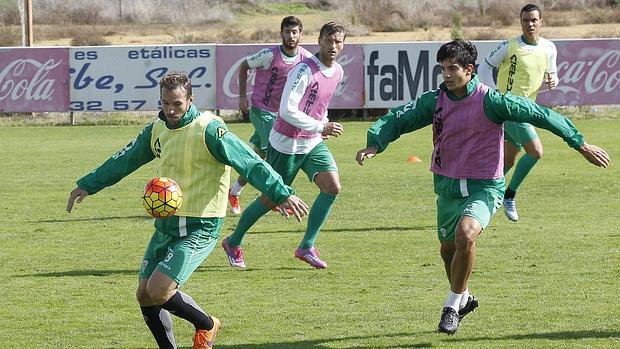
(467, 120)
(196, 149)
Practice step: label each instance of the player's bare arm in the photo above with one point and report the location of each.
(243, 78)
(365, 153)
(76, 194)
(595, 155)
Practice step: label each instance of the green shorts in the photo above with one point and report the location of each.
(179, 245)
(479, 199)
(319, 159)
(519, 133)
(263, 122)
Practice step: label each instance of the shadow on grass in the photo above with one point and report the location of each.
(326, 343)
(99, 272)
(92, 272)
(563, 335)
(355, 230)
(88, 219)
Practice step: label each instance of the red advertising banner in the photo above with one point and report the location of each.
(589, 72)
(34, 79)
(350, 93)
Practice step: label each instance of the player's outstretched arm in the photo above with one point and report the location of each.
(365, 153)
(296, 205)
(595, 155)
(77, 193)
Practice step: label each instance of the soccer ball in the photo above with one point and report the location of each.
(162, 197)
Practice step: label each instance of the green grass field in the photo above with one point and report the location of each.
(552, 280)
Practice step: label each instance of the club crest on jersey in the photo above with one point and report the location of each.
(157, 148)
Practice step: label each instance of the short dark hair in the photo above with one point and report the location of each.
(463, 52)
(530, 8)
(291, 21)
(330, 28)
(175, 80)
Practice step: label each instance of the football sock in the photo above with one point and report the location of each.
(464, 298)
(184, 306)
(160, 323)
(509, 194)
(236, 188)
(249, 216)
(317, 216)
(524, 166)
(454, 300)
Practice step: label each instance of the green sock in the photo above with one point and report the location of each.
(250, 216)
(524, 166)
(318, 215)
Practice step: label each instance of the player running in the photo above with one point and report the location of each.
(467, 160)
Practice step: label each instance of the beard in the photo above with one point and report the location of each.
(290, 46)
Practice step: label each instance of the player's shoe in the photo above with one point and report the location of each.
(204, 339)
(235, 206)
(472, 303)
(234, 254)
(310, 256)
(510, 208)
(449, 322)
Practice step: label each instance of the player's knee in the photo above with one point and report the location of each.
(333, 188)
(158, 295)
(537, 154)
(465, 237)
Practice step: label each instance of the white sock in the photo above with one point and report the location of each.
(236, 188)
(464, 298)
(454, 300)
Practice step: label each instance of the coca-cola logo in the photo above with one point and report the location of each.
(17, 80)
(590, 76)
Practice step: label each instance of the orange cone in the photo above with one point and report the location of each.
(413, 159)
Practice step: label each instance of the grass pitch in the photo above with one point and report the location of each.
(550, 280)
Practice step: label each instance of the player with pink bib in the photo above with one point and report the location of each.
(467, 161)
(272, 66)
(297, 143)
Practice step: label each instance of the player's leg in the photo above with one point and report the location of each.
(287, 166)
(472, 214)
(185, 254)
(259, 141)
(448, 215)
(320, 167)
(157, 319)
(526, 136)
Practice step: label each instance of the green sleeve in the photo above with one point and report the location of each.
(228, 149)
(508, 107)
(403, 119)
(135, 154)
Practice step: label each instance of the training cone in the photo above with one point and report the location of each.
(413, 159)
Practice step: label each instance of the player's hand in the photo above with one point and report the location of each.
(595, 155)
(295, 205)
(365, 153)
(243, 104)
(551, 83)
(332, 129)
(77, 193)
